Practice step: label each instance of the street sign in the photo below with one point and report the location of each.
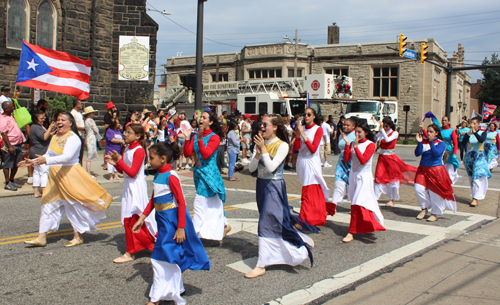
(410, 54)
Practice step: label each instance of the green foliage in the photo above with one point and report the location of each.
(490, 85)
(61, 102)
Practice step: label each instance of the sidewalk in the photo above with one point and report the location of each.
(463, 271)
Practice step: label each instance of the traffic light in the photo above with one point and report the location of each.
(423, 52)
(402, 44)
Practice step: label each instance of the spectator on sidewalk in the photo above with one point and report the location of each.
(92, 137)
(327, 132)
(333, 135)
(246, 131)
(114, 142)
(40, 137)
(233, 148)
(42, 106)
(75, 112)
(111, 112)
(4, 97)
(182, 122)
(12, 139)
(159, 114)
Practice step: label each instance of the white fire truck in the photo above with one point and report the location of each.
(281, 96)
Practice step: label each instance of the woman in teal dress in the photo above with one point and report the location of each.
(492, 146)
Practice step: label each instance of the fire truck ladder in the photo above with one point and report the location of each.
(226, 91)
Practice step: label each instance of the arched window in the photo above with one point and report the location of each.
(17, 23)
(46, 25)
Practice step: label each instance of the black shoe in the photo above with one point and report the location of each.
(10, 187)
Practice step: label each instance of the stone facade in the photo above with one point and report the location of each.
(422, 87)
(90, 29)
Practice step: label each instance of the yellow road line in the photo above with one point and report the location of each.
(104, 226)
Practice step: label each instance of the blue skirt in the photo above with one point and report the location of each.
(343, 170)
(275, 220)
(476, 165)
(491, 151)
(190, 254)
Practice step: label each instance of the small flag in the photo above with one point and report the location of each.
(430, 115)
(55, 71)
(488, 110)
(308, 105)
(474, 114)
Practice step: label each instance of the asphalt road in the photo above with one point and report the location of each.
(86, 274)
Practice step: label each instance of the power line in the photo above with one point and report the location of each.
(470, 37)
(192, 31)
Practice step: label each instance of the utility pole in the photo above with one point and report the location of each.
(199, 61)
(296, 49)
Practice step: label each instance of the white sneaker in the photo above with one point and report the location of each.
(30, 180)
(327, 164)
(187, 166)
(245, 161)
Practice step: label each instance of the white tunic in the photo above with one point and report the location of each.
(361, 183)
(135, 193)
(309, 165)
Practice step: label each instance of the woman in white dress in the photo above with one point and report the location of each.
(279, 241)
(365, 212)
(70, 188)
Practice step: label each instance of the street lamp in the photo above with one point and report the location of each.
(164, 12)
(296, 46)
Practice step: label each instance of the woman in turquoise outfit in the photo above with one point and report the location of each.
(492, 145)
(208, 219)
(475, 161)
(343, 168)
(450, 159)
(463, 130)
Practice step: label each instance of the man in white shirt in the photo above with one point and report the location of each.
(327, 131)
(4, 97)
(80, 125)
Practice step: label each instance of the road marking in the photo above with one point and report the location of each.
(468, 187)
(355, 274)
(104, 226)
(245, 265)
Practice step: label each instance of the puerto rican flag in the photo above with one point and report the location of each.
(488, 110)
(52, 70)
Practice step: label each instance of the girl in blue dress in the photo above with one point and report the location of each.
(208, 219)
(177, 246)
(476, 163)
(343, 168)
(492, 146)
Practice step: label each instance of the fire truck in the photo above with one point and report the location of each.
(281, 96)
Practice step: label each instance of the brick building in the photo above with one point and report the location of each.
(376, 72)
(88, 29)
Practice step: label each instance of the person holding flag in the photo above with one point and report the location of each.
(450, 159)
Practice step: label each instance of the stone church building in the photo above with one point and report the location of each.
(88, 29)
(376, 71)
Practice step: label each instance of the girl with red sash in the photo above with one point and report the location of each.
(391, 171)
(365, 212)
(315, 192)
(433, 185)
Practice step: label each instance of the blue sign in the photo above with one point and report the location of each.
(410, 54)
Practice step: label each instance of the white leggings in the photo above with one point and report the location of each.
(390, 190)
(82, 219)
(431, 201)
(339, 192)
(40, 175)
(478, 187)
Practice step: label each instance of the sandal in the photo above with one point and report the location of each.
(234, 179)
(223, 173)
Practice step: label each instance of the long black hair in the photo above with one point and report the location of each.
(138, 129)
(171, 151)
(215, 127)
(231, 125)
(281, 132)
(388, 121)
(369, 135)
(317, 119)
(73, 128)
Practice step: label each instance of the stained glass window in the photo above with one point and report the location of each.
(17, 23)
(45, 25)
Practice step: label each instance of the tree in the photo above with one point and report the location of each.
(489, 91)
(61, 102)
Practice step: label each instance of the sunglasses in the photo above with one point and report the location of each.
(265, 124)
(309, 113)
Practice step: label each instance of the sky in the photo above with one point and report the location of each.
(229, 25)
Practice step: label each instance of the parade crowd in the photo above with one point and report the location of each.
(166, 143)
